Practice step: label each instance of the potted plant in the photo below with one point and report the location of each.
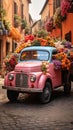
(49, 24)
(58, 18)
(2, 13)
(23, 23)
(71, 8)
(17, 20)
(42, 33)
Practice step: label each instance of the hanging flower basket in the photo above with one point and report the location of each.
(65, 7)
(49, 25)
(71, 8)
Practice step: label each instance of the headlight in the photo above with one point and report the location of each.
(33, 78)
(11, 77)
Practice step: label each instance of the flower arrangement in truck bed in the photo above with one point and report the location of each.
(61, 61)
(30, 40)
(63, 58)
(64, 48)
(10, 61)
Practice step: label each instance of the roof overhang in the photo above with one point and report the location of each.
(29, 1)
(44, 6)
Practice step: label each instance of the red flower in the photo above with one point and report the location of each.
(29, 37)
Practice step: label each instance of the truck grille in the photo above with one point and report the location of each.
(21, 80)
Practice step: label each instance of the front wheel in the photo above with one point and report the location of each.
(12, 95)
(45, 96)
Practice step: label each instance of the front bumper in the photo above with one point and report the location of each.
(23, 90)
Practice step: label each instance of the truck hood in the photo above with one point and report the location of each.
(28, 67)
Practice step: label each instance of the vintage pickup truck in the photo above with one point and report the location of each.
(29, 77)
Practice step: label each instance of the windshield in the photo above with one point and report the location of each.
(35, 55)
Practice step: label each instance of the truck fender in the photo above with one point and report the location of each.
(43, 79)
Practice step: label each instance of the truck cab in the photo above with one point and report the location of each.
(35, 73)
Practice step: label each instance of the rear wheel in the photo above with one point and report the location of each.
(45, 96)
(67, 88)
(12, 95)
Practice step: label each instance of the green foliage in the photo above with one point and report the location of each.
(36, 43)
(42, 33)
(58, 18)
(27, 30)
(17, 19)
(2, 13)
(7, 24)
(23, 23)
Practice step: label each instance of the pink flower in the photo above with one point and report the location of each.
(65, 6)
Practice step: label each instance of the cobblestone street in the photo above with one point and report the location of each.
(28, 114)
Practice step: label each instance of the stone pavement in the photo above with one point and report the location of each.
(30, 115)
(2, 96)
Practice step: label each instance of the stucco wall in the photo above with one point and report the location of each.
(26, 10)
(45, 12)
(7, 5)
(48, 10)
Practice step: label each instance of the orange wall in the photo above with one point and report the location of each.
(67, 26)
(56, 33)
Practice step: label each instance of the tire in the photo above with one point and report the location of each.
(45, 96)
(12, 95)
(67, 88)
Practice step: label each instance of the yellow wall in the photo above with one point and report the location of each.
(26, 10)
(35, 28)
(45, 13)
(8, 6)
(48, 10)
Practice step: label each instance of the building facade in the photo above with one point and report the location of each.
(20, 8)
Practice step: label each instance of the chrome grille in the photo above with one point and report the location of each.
(21, 80)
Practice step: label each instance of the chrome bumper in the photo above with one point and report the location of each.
(23, 90)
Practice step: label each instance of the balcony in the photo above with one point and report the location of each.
(3, 30)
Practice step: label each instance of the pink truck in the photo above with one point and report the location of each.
(29, 77)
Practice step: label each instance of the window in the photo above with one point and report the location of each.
(15, 8)
(37, 55)
(68, 36)
(56, 4)
(22, 11)
(14, 45)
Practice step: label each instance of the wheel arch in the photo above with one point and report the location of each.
(49, 80)
(43, 80)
